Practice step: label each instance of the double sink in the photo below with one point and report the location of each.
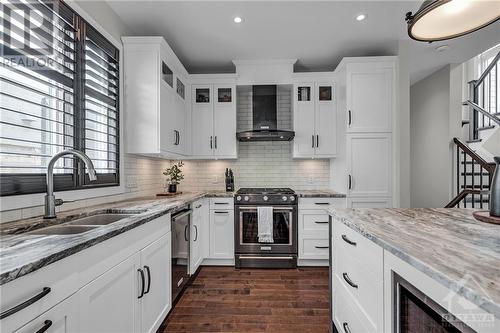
(82, 225)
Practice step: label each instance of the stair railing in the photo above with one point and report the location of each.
(466, 183)
(482, 99)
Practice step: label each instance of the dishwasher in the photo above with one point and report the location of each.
(181, 224)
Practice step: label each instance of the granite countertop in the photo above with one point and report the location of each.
(22, 253)
(319, 194)
(445, 244)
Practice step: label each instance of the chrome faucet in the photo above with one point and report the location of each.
(50, 201)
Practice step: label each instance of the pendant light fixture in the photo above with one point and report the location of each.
(438, 20)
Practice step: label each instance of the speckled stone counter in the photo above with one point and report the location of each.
(319, 194)
(22, 252)
(444, 244)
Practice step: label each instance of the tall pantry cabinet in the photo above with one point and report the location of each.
(369, 103)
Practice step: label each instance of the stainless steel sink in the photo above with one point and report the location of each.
(99, 219)
(62, 230)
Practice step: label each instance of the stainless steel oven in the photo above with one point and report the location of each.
(282, 251)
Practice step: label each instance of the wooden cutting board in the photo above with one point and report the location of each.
(484, 216)
(167, 194)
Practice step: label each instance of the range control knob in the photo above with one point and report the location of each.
(246, 198)
(238, 198)
(284, 198)
(265, 198)
(292, 198)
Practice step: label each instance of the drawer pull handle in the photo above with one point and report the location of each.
(220, 212)
(46, 325)
(348, 241)
(349, 281)
(148, 271)
(346, 328)
(143, 282)
(321, 247)
(321, 222)
(221, 203)
(25, 304)
(322, 203)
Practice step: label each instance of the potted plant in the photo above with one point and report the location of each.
(174, 176)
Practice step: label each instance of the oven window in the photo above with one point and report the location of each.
(282, 222)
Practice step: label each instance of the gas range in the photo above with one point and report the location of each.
(265, 196)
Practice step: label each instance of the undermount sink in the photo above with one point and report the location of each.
(99, 219)
(63, 230)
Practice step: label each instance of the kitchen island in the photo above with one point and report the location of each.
(444, 253)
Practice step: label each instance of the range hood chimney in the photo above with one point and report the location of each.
(265, 117)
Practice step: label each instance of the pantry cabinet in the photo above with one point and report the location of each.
(156, 108)
(315, 120)
(214, 121)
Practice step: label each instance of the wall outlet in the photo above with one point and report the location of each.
(131, 182)
(310, 180)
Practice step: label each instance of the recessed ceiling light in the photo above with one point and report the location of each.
(442, 48)
(360, 17)
(237, 19)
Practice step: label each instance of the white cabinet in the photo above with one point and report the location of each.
(315, 120)
(110, 303)
(62, 318)
(222, 234)
(370, 97)
(199, 233)
(156, 301)
(369, 203)
(154, 98)
(214, 121)
(369, 164)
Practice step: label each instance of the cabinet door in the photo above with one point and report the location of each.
(369, 202)
(179, 120)
(167, 114)
(224, 121)
(303, 121)
(222, 234)
(110, 302)
(202, 121)
(369, 165)
(195, 241)
(62, 318)
(325, 121)
(156, 302)
(369, 98)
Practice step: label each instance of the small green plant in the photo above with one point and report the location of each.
(174, 173)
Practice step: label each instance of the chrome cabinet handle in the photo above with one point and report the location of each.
(348, 241)
(321, 222)
(349, 281)
(46, 325)
(196, 234)
(25, 304)
(317, 141)
(141, 273)
(148, 271)
(346, 328)
(350, 118)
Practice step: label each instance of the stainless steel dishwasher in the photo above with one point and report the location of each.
(181, 222)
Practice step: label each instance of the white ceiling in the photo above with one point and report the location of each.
(318, 33)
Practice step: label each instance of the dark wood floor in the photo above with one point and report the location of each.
(223, 299)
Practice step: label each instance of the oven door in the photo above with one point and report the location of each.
(284, 231)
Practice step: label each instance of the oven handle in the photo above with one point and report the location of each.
(275, 207)
(267, 258)
(181, 214)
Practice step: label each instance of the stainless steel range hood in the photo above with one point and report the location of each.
(265, 117)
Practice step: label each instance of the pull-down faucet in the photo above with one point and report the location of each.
(50, 201)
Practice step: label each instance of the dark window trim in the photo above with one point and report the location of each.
(31, 183)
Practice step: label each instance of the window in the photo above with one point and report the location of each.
(59, 89)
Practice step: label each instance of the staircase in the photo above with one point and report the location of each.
(474, 166)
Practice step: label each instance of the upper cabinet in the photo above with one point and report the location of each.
(156, 108)
(213, 121)
(315, 120)
(370, 97)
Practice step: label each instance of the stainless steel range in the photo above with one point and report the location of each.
(281, 251)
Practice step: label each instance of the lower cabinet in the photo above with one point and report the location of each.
(62, 318)
(369, 202)
(222, 234)
(199, 232)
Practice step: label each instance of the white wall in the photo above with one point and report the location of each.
(435, 116)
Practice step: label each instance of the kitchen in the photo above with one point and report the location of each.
(241, 191)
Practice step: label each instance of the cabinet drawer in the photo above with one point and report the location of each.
(313, 221)
(348, 316)
(60, 277)
(321, 203)
(314, 248)
(221, 203)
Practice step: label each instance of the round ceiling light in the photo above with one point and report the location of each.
(237, 19)
(445, 19)
(360, 17)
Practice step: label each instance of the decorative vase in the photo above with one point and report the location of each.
(495, 190)
(172, 188)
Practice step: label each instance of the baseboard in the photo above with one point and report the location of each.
(217, 262)
(313, 262)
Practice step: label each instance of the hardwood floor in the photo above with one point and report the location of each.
(223, 299)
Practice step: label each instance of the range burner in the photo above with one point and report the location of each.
(265, 196)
